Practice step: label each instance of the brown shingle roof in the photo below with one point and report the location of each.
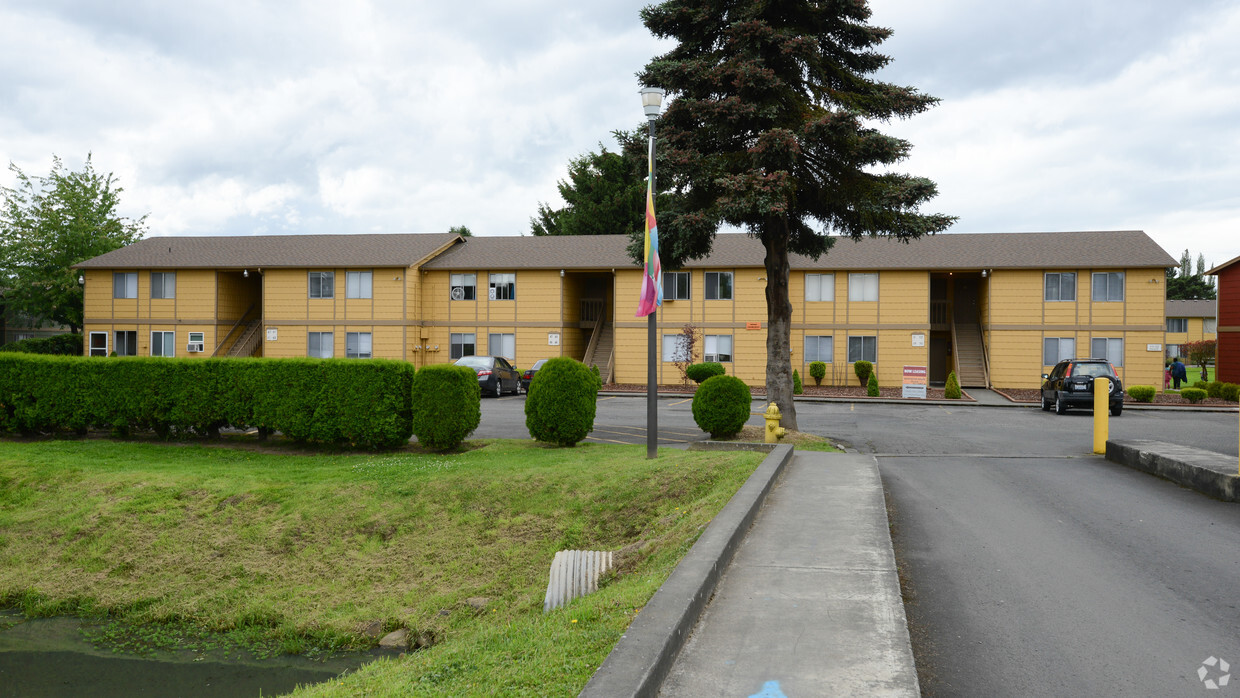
(241, 252)
(1082, 250)
(1192, 308)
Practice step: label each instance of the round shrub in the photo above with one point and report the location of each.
(1141, 393)
(1200, 385)
(447, 405)
(863, 369)
(797, 387)
(1193, 395)
(952, 390)
(871, 386)
(560, 406)
(1230, 392)
(721, 405)
(1214, 389)
(700, 372)
(817, 371)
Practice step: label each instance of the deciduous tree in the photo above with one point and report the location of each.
(604, 195)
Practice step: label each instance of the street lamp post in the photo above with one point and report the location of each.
(652, 102)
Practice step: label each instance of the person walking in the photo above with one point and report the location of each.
(1178, 373)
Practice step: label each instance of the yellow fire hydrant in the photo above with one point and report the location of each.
(774, 432)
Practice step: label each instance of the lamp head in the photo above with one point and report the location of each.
(652, 101)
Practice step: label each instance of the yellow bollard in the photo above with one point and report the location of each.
(774, 432)
(1102, 411)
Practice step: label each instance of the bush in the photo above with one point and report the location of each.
(447, 405)
(1142, 393)
(561, 403)
(1193, 395)
(871, 388)
(1200, 385)
(60, 344)
(1214, 389)
(721, 405)
(952, 390)
(1230, 392)
(700, 372)
(797, 387)
(817, 371)
(863, 369)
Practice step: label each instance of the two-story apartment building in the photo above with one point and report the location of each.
(999, 309)
(1189, 321)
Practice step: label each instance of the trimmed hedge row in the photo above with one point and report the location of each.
(362, 403)
(62, 344)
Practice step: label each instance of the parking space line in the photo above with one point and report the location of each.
(610, 441)
(680, 402)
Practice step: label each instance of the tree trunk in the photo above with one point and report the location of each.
(779, 325)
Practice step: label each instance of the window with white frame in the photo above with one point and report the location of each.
(359, 284)
(819, 348)
(322, 284)
(863, 287)
(504, 345)
(674, 349)
(1109, 348)
(463, 288)
(197, 341)
(163, 284)
(125, 284)
(1209, 325)
(98, 344)
(502, 287)
(820, 287)
(1108, 286)
(863, 348)
(163, 344)
(717, 347)
(462, 344)
(718, 286)
(1059, 286)
(676, 285)
(1177, 324)
(320, 345)
(357, 345)
(1056, 349)
(125, 343)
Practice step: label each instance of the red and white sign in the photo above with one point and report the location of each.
(915, 379)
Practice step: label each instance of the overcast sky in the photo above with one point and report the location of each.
(241, 118)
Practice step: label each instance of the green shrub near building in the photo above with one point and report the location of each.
(561, 404)
(797, 387)
(871, 386)
(447, 405)
(700, 372)
(1214, 389)
(863, 369)
(1230, 392)
(721, 406)
(1193, 395)
(952, 390)
(817, 371)
(1142, 393)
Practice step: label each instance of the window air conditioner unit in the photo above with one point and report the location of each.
(194, 346)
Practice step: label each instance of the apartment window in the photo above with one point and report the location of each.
(820, 287)
(863, 348)
(1108, 286)
(1111, 349)
(462, 344)
(19, 336)
(357, 345)
(125, 343)
(322, 284)
(718, 285)
(163, 284)
(1056, 349)
(504, 345)
(463, 287)
(718, 347)
(676, 285)
(863, 287)
(1177, 324)
(1059, 286)
(819, 348)
(163, 344)
(98, 343)
(125, 284)
(358, 284)
(503, 287)
(1209, 325)
(1172, 350)
(674, 349)
(320, 345)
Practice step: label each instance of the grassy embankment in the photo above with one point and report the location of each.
(296, 552)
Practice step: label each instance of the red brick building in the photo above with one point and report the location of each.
(1228, 357)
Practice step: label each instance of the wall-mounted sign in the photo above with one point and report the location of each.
(919, 340)
(553, 339)
(753, 325)
(915, 382)
(1153, 347)
(271, 334)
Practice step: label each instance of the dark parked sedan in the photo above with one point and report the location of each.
(1071, 384)
(495, 375)
(529, 374)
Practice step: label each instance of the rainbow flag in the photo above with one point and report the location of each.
(652, 279)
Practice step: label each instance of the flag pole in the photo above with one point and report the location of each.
(652, 338)
(652, 101)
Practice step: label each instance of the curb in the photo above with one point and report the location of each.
(958, 403)
(1212, 474)
(645, 653)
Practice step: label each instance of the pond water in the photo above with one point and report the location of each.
(50, 658)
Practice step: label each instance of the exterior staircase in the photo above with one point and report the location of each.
(970, 356)
(601, 350)
(247, 344)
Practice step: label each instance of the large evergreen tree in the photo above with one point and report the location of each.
(1184, 285)
(770, 128)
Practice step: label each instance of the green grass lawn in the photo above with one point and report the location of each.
(297, 552)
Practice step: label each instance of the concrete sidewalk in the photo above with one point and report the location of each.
(810, 605)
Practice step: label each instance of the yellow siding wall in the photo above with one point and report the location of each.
(192, 309)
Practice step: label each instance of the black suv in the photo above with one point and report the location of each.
(1071, 384)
